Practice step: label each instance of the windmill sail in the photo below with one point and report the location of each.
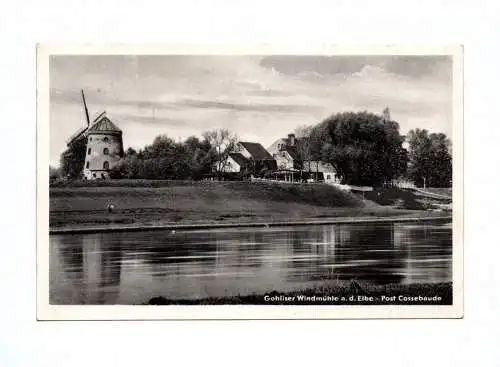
(76, 135)
(81, 131)
(86, 109)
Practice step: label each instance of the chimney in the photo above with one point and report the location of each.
(291, 140)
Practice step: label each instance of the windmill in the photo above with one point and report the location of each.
(104, 145)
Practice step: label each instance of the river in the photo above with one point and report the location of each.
(131, 268)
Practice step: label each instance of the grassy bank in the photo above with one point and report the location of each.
(403, 199)
(348, 294)
(146, 203)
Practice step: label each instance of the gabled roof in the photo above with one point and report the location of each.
(293, 152)
(104, 124)
(257, 151)
(276, 142)
(239, 158)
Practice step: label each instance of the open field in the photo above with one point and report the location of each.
(353, 293)
(82, 204)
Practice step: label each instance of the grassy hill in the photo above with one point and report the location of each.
(143, 202)
(147, 202)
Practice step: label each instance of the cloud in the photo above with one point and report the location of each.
(371, 71)
(410, 66)
(269, 107)
(142, 119)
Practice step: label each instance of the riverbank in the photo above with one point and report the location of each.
(351, 293)
(82, 206)
(345, 220)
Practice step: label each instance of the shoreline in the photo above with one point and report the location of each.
(337, 220)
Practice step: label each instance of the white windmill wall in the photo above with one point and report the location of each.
(102, 147)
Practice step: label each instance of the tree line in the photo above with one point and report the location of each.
(430, 162)
(367, 149)
(192, 158)
(364, 148)
(165, 158)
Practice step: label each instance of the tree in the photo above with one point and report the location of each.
(363, 148)
(199, 157)
(386, 114)
(222, 143)
(162, 146)
(304, 147)
(303, 131)
(130, 151)
(430, 158)
(127, 167)
(73, 159)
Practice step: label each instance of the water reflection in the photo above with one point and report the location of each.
(368, 254)
(130, 268)
(85, 270)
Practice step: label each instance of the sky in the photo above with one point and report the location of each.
(260, 98)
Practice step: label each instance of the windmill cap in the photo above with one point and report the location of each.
(104, 125)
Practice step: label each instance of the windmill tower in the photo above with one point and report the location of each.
(104, 145)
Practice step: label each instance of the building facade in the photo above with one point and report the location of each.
(284, 151)
(322, 171)
(235, 163)
(286, 160)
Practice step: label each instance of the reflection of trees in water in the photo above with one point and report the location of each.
(89, 268)
(246, 249)
(427, 251)
(311, 248)
(169, 252)
(166, 247)
(66, 269)
(110, 267)
(301, 252)
(70, 249)
(204, 252)
(368, 254)
(247, 253)
(91, 264)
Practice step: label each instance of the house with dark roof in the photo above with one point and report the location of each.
(247, 158)
(259, 157)
(236, 163)
(285, 152)
(254, 151)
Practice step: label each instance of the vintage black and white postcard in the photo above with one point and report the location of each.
(242, 182)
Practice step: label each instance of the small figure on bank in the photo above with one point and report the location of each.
(111, 207)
